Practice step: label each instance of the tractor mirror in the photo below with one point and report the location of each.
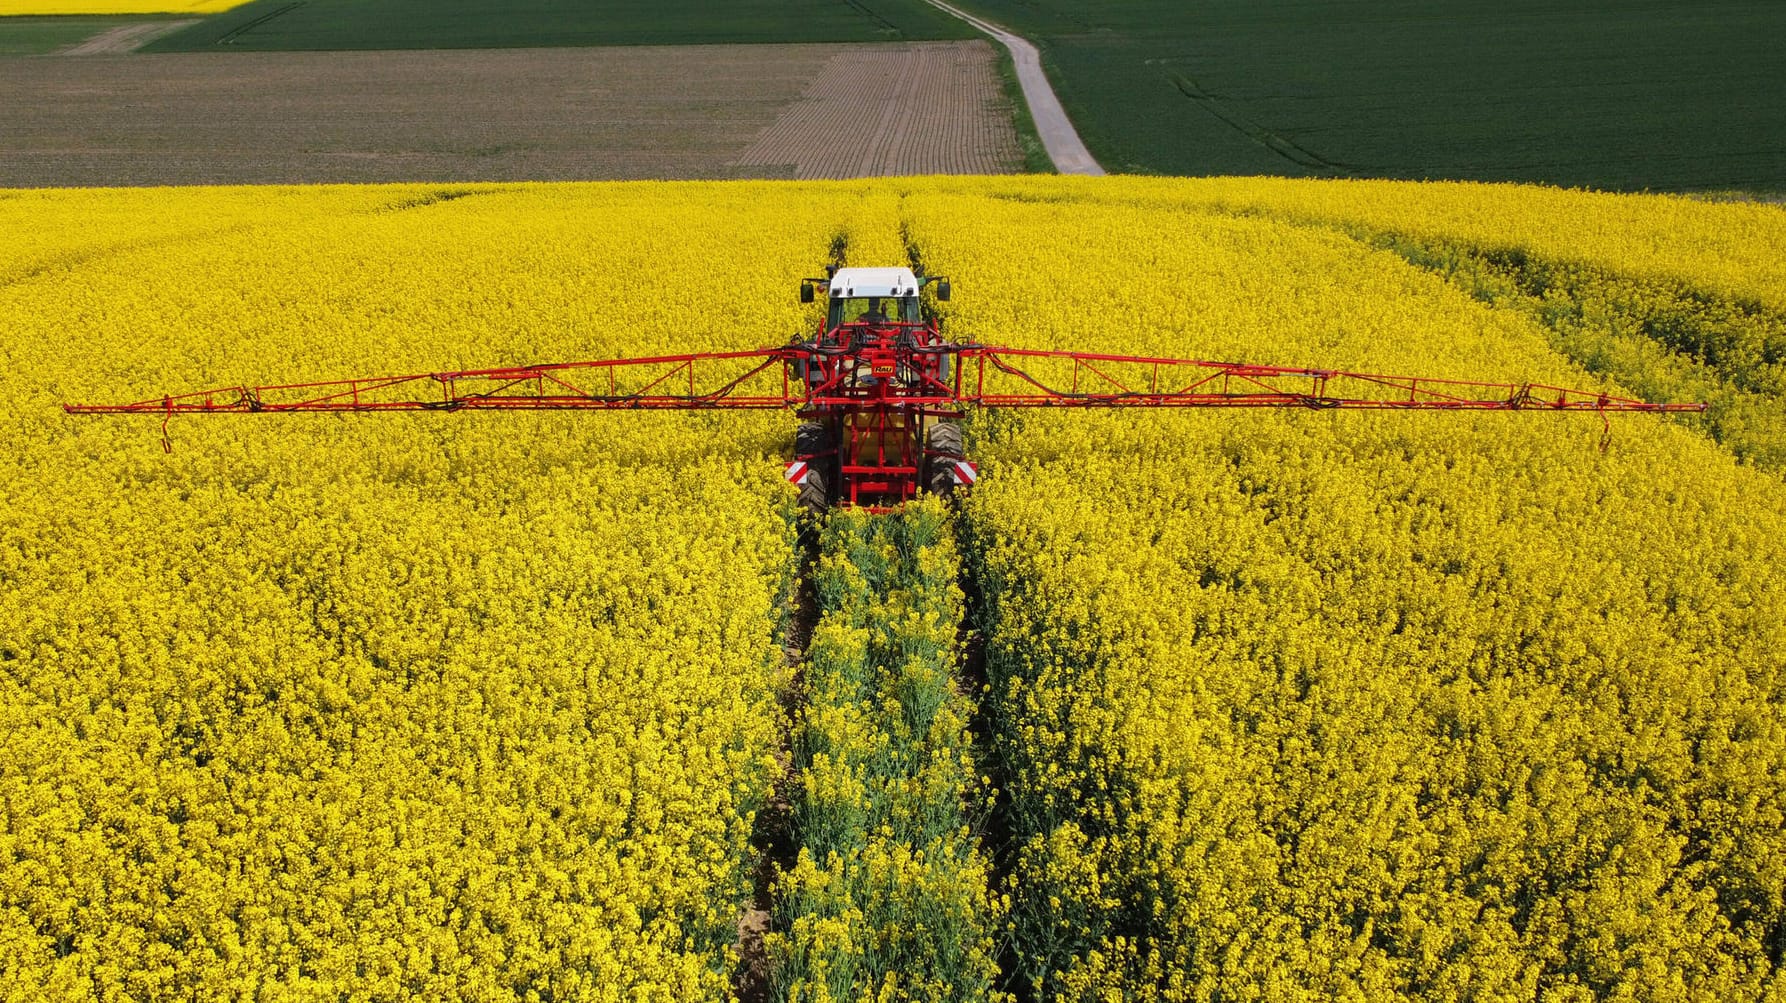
(942, 290)
(806, 292)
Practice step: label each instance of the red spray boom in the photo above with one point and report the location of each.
(879, 389)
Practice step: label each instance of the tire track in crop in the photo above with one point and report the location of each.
(436, 198)
(98, 253)
(993, 824)
(890, 882)
(868, 12)
(1702, 344)
(1277, 143)
(1569, 302)
(229, 38)
(72, 260)
(772, 837)
(998, 832)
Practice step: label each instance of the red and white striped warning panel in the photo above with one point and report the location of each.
(965, 472)
(797, 472)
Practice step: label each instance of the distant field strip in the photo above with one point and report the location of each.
(60, 7)
(634, 112)
(319, 25)
(1624, 94)
(928, 108)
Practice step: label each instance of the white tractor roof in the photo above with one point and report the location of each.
(873, 282)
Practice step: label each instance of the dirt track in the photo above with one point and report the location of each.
(503, 115)
(1053, 126)
(128, 38)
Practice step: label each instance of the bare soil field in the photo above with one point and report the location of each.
(922, 108)
(504, 115)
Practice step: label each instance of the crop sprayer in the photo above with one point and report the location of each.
(879, 391)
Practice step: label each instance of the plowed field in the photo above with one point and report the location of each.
(505, 115)
(929, 108)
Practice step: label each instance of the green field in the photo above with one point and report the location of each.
(36, 36)
(463, 24)
(1618, 94)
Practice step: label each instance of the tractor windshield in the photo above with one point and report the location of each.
(875, 309)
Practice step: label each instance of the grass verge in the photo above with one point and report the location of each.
(1035, 155)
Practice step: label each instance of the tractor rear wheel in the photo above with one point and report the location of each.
(810, 438)
(943, 446)
(813, 496)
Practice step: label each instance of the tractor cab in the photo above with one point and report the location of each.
(874, 296)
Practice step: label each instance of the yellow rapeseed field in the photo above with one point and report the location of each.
(1353, 705)
(1729, 249)
(384, 708)
(1278, 706)
(59, 7)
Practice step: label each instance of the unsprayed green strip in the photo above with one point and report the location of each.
(888, 897)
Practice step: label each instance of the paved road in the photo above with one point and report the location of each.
(1059, 137)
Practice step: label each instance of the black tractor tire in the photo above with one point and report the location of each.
(813, 496)
(810, 438)
(943, 446)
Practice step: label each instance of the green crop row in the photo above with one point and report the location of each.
(888, 898)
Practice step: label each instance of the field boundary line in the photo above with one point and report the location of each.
(229, 37)
(1059, 138)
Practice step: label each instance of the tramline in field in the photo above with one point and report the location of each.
(879, 390)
